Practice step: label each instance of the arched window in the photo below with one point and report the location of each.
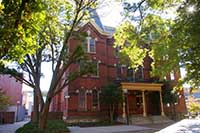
(82, 100)
(95, 99)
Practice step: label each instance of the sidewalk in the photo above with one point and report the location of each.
(109, 129)
(11, 128)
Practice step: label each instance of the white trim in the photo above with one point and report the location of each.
(97, 28)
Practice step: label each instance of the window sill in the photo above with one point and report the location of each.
(91, 52)
(94, 76)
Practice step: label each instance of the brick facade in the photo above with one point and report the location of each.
(108, 71)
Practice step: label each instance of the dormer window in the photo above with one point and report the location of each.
(91, 45)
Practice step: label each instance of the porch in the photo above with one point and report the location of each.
(141, 99)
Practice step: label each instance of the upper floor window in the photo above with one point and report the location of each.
(172, 75)
(119, 71)
(90, 45)
(95, 66)
(117, 51)
(130, 75)
(140, 73)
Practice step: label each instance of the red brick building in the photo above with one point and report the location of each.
(81, 98)
(13, 89)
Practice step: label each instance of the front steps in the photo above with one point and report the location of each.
(139, 119)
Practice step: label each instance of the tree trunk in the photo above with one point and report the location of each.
(44, 114)
(35, 114)
(174, 111)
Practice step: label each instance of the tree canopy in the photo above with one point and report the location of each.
(20, 22)
(44, 38)
(167, 31)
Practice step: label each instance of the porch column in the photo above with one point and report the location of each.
(125, 113)
(161, 104)
(124, 105)
(144, 104)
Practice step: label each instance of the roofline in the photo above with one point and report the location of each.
(98, 28)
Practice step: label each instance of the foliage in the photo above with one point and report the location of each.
(4, 100)
(53, 126)
(112, 96)
(92, 124)
(50, 44)
(168, 94)
(194, 107)
(20, 22)
(169, 41)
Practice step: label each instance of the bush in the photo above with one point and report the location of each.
(54, 126)
(93, 124)
(194, 108)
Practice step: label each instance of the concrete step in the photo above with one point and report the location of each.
(140, 120)
(149, 119)
(160, 119)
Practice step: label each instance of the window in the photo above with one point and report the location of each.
(172, 76)
(140, 73)
(95, 66)
(119, 71)
(117, 51)
(82, 100)
(90, 45)
(95, 100)
(130, 75)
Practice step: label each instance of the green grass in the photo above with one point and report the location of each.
(54, 126)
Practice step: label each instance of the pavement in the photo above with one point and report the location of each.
(109, 129)
(11, 128)
(183, 126)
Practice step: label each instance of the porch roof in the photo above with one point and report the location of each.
(142, 86)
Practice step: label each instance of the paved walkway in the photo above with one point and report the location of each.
(11, 128)
(183, 126)
(109, 129)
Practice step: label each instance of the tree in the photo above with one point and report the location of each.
(4, 100)
(51, 49)
(111, 96)
(170, 96)
(194, 108)
(171, 42)
(20, 22)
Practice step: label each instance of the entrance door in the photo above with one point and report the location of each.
(153, 103)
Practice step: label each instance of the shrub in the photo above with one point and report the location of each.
(54, 126)
(194, 108)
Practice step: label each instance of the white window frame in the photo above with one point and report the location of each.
(88, 45)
